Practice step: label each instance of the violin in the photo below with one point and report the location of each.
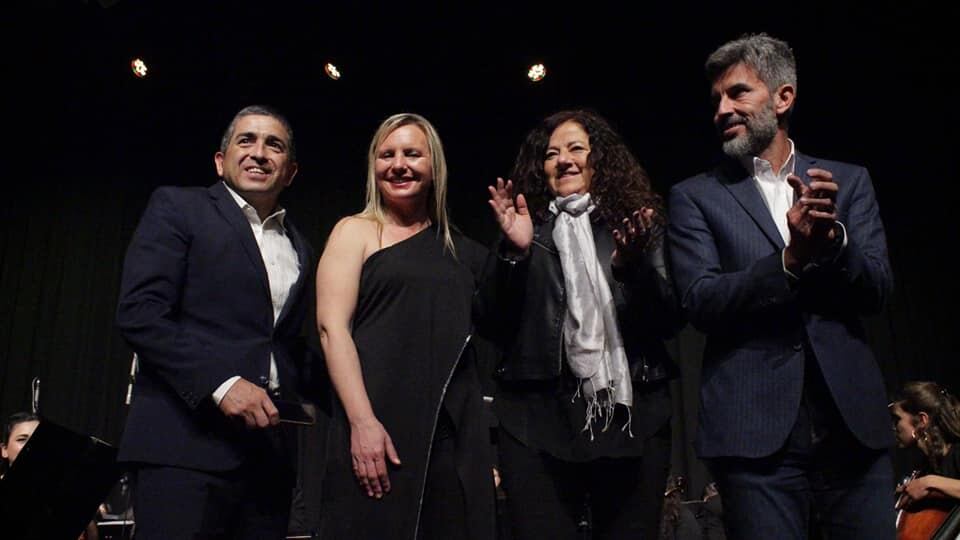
(924, 519)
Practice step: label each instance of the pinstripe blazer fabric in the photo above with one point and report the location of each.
(726, 262)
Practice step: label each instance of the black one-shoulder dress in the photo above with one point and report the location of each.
(412, 329)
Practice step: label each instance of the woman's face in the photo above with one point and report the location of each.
(19, 436)
(904, 426)
(404, 167)
(565, 161)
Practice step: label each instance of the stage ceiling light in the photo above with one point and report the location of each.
(537, 72)
(139, 68)
(331, 71)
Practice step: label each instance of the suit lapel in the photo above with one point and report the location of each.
(804, 162)
(304, 259)
(232, 213)
(741, 185)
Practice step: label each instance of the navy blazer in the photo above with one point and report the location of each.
(195, 305)
(726, 261)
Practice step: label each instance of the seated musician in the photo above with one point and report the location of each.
(927, 415)
(17, 430)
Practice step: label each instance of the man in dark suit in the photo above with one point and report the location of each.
(213, 300)
(776, 256)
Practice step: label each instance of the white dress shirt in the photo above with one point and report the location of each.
(283, 269)
(776, 191)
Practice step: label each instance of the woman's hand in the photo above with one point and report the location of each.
(513, 217)
(370, 444)
(633, 236)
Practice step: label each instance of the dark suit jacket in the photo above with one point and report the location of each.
(195, 305)
(726, 261)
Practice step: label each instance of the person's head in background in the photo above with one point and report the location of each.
(16, 432)
(927, 415)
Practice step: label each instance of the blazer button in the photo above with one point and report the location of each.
(264, 380)
(798, 347)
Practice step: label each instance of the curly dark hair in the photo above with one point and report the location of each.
(619, 187)
(942, 407)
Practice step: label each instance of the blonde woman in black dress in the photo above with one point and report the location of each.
(409, 450)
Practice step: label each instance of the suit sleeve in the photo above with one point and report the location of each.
(860, 278)
(148, 313)
(715, 299)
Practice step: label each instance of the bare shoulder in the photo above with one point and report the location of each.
(354, 234)
(353, 228)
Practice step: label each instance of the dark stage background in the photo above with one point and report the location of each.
(87, 142)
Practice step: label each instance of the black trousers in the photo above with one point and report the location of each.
(548, 498)
(252, 502)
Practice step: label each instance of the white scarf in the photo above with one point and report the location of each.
(591, 336)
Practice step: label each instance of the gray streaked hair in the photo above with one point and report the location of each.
(260, 110)
(772, 59)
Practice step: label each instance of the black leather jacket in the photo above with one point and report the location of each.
(522, 305)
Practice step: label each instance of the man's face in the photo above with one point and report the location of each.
(744, 113)
(257, 159)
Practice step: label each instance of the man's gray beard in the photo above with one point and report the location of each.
(757, 137)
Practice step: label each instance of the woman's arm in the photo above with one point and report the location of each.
(924, 486)
(338, 283)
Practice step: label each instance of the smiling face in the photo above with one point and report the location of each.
(257, 163)
(565, 163)
(19, 435)
(403, 166)
(745, 114)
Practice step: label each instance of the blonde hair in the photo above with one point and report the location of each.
(374, 208)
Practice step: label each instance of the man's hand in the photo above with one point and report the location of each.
(250, 403)
(811, 219)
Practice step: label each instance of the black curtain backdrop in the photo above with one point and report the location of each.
(89, 142)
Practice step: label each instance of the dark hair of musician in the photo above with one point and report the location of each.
(941, 407)
(13, 420)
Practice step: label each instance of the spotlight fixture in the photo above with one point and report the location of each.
(331, 71)
(537, 72)
(139, 68)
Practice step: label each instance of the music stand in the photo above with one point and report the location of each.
(56, 484)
